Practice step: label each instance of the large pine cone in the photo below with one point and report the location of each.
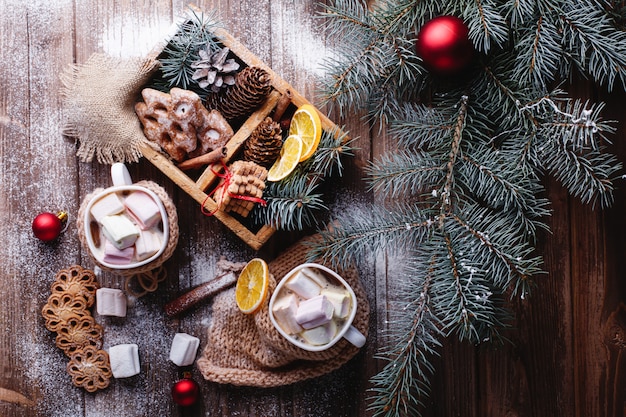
(252, 86)
(264, 144)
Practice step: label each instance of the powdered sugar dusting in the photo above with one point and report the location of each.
(126, 37)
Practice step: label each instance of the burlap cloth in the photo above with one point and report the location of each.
(247, 350)
(172, 217)
(98, 103)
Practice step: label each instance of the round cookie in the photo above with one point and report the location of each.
(60, 308)
(90, 368)
(78, 282)
(78, 333)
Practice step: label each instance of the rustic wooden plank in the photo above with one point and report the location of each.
(128, 29)
(14, 121)
(37, 175)
(613, 327)
(536, 364)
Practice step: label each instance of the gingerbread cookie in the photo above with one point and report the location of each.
(67, 313)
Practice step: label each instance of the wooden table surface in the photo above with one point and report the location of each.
(565, 358)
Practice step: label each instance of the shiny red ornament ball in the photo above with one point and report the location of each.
(47, 226)
(443, 44)
(185, 392)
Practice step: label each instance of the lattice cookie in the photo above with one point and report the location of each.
(67, 313)
(90, 368)
(78, 282)
(78, 333)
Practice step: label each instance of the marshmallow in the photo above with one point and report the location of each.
(117, 256)
(284, 309)
(110, 302)
(108, 205)
(143, 209)
(184, 349)
(340, 299)
(147, 244)
(119, 230)
(314, 312)
(124, 360)
(320, 335)
(303, 285)
(316, 275)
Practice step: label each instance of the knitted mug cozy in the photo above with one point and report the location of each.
(172, 218)
(247, 350)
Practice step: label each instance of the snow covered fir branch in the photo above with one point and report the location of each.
(462, 197)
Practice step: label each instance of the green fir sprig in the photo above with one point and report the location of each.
(295, 202)
(182, 50)
(461, 198)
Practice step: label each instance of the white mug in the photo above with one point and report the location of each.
(122, 183)
(347, 330)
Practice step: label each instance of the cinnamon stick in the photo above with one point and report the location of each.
(206, 159)
(281, 106)
(201, 292)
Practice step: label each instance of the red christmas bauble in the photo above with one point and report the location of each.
(443, 44)
(47, 226)
(185, 392)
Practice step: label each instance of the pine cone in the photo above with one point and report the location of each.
(263, 145)
(214, 70)
(252, 86)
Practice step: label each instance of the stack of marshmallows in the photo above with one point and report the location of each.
(310, 308)
(129, 225)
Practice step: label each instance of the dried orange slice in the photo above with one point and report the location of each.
(289, 157)
(252, 286)
(307, 124)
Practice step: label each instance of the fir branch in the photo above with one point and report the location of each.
(401, 386)
(486, 24)
(538, 54)
(290, 206)
(418, 126)
(498, 94)
(350, 236)
(372, 63)
(404, 173)
(521, 12)
(334, 145)
(505, 253)
(592, 42)
(588, 176)
(468, 170)
(182, 50)
(505, 187)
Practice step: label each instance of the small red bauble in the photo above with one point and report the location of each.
(48, 226)
(444, 46)
(185, 392)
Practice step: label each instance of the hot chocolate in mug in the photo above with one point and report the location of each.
(313, 307)
(126, 225)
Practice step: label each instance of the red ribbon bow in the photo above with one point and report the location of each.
(226, 176)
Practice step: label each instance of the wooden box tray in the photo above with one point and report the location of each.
(200, 188)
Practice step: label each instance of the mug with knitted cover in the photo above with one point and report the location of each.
(247, 350)
(122, 184)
